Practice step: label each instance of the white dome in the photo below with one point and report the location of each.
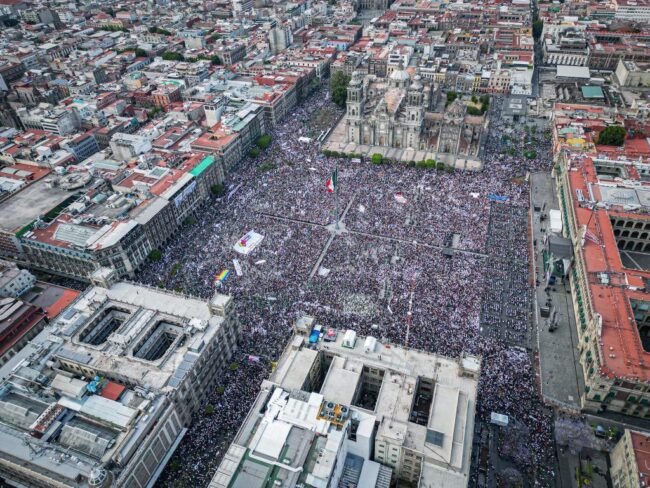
(400, 75)
(417, 84)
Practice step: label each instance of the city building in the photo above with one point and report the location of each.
(241, 7)
(234, 128)
(602, 192)
(14, 281)
(19, 323)
(57, 120)
(104, 395)
(340, 410)
(280, 37)
(82, 146)
(637, 10)
(632, 75)
(407, 120)
(631, 460)
(128, 146)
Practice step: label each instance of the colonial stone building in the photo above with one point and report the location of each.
(406, 113)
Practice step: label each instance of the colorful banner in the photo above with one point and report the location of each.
(248, 243)
(498, 198)
(221, 277)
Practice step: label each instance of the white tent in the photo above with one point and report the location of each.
(555, 218)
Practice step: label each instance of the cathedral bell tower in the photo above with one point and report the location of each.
(414, 112)
(354, 107)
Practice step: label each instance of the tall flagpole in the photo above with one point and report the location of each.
(336, 191)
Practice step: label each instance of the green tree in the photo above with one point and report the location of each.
(614, 135)
(175, 465)
(474, 111)
(114, 28)
(264, 141)
(538, 27)
(268, 166)
(157, 30)
(216, 60)
(217, 190)
(339, 88)
(377, 158)
(440, 165)
(451, 96)
(155, 255)
(11, 22)
(172, 56)
(153, 112)
(208, 409)
(254, 152)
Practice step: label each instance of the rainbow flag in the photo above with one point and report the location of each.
(223, 275)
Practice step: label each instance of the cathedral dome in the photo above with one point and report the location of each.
(400, 75)
(417, 84)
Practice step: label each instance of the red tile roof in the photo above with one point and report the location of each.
(641, 446)
(112, 390)
(622, 353)
(66, 299)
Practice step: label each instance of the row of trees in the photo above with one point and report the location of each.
(261, 144)
(114, 28)
(379, 159)
(139, 52)
(424, 164)
(158, 30)
(174, 56)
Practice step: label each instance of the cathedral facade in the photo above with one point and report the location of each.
(405, 113)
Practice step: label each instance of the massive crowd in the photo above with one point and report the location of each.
(506, 302)
(399, 224)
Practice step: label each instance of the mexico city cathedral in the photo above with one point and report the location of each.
(408, 113)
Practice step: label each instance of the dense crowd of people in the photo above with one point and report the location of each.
(455, 241)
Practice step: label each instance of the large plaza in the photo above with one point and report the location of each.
(421, 258)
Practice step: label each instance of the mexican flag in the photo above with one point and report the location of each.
(332, 182)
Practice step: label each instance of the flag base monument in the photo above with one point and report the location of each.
(332, 186)
(336, 228)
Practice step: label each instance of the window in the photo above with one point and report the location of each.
(434, 437)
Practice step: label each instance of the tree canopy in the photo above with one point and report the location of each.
(339, 88)
(172, 56)
(614, 135)
(264, 141)
(377, 158)
(538, 27)
(157, 30)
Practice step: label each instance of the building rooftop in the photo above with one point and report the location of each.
(298, 413)
(641, 446)
(596, 200)
(28, 204)
(85, 390)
